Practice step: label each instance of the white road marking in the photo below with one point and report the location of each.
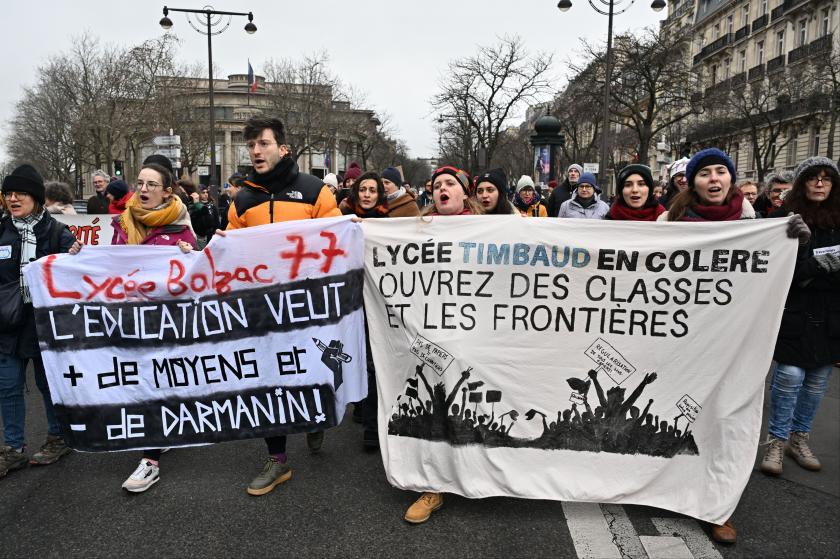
(590, 531)
(624, 534)
(695, 538)
(665, 547)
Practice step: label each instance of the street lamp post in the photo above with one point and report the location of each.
(609, 10)
(214, 24)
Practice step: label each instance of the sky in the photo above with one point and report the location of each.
(395, 51)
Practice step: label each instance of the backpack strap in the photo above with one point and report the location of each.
(56, 229)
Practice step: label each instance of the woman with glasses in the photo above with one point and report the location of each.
(585, 204)
(809, 337)
(27, 232)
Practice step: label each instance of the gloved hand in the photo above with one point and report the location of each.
(830, 263)
(798, 229)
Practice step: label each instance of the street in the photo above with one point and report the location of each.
(339, 504)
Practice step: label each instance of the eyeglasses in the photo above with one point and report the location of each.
(264, 144)
(18, 195)
(815, 180)
(150, 185)
(585, 187)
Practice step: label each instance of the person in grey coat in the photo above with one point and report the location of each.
(585, 204)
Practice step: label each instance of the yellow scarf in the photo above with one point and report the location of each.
(137, 222)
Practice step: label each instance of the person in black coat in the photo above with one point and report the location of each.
(809, 337)
(27, 233)
(565, 190)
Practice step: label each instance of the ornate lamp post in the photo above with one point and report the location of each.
(608, 8)
(210, 22)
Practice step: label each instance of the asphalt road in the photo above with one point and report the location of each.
(338, 504)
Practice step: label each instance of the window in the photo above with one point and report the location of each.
(726, 64)
(745, 15)
(742, 61)
(713, 74)
(763, 7)
(815, 142)
(759, 53)
(730, 23)
(825, 26)
(736, 150)
(780, 43)
(792, 148)
(716, 32)
(803, 32)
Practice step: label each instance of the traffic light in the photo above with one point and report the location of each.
(118, 168)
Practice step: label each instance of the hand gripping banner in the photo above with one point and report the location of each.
(610, 362)
(259, 334)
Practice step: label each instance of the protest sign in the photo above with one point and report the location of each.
(89, 229)
(259, 334)
(616, 362)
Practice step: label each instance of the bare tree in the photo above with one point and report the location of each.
(481, 94)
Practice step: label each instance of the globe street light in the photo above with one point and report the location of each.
(565, 5)
(214, 23)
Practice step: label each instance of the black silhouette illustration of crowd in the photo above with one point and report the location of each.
(615, 425)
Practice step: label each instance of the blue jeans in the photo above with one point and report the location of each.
(12, 403)
(795, 396)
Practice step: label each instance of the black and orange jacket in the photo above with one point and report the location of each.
(305, 197)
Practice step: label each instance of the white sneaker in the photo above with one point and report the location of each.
(145, 476)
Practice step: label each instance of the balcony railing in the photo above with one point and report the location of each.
(759, 23)
(738, 80)
(823, 44)
(743, 32)
(776, 64)
(790, 4)
(777, 12)
(797, 54)
(714, 46)
(756, 72)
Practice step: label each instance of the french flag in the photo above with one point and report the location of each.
(252, 80)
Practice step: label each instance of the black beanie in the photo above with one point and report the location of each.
(161, 160)
(393, 174)
(635, 169)
(496, 177)
(118, 189)
(26, 179)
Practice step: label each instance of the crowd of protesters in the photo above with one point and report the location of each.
(161, 210)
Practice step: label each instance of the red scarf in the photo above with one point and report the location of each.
(727, 212)
(621, 212)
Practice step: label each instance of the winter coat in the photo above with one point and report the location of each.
(560, 194)
(809, 336)
(572, 208)
(118, 206)
(425, 199)
(205, 218)
(23, 342)
(168, 235)
(97, 204)
(403, 206)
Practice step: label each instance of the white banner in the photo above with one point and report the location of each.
(94, 230)
(609, 362)
(259, 334)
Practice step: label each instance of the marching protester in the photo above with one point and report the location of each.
(809, 337)
(565, 190)
(203, 215)
(352, 173)
(750, 191)
(527, 200)
(450, 188)
(277, 191)
(27, 233)
(585, 204)
(491, 193)
(425, 198)
(401, 202)
(677, 181)
(635, 201)
(232, 187)
(59, 198)
(776, 187)
(658, 190)
(98, 203)
(118, 196)
(153, 216)
(331, 180)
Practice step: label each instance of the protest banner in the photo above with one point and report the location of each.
(89, 229)
(577, 360)
(259, 334)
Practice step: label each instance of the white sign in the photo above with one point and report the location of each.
(203, 169)
(90, 229)
(174, 140)
(590, 168)
(431, 354)
(147, 347)
(578, 363)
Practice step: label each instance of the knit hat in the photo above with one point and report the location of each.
(808, 164)
(706, 157)
(523, 182)
(331, 180)
(552, 183)
(462, 176)
(635, 169)
(26, 179)
(575, 166)
(118, 189)
(392, 174)
(161, 160)
(678, 166)
(589, 178)
(496, 177)
(353, 171)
